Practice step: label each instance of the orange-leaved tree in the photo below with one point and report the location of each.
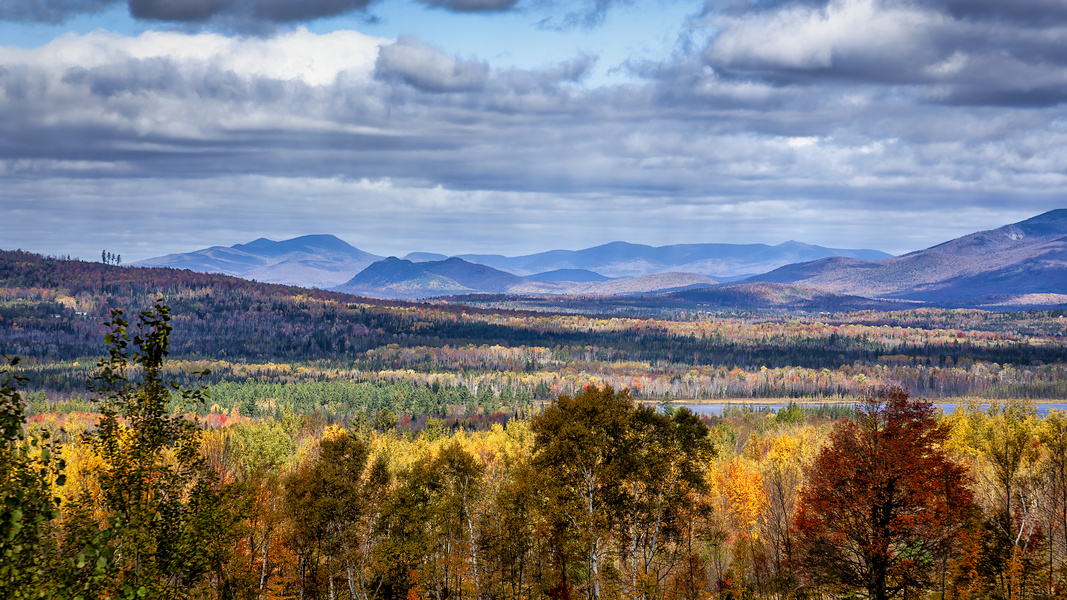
(882, 501)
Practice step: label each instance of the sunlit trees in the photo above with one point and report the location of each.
(1054, 438)
(325, 501)
(787, 453)
(167, 516)
(618, 479)
(669, 455)
(1015, 482)
(583, 452)
(883, 500)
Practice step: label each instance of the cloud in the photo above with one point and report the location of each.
(50, 11)
(525, 81)
(708, 144)
(173, 105)
(253, 15)
(427, 69)
(584, 14)
(947, 51)
(1026, 11)
(239, 14)
(268, 16)
(1031, 12)
(802, 38)
(463, 6)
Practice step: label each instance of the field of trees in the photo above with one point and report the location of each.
(244, 440)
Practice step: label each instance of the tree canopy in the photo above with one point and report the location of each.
(882, 500)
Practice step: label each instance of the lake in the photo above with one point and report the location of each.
(716, 408)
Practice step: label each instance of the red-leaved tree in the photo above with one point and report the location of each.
(882, 501)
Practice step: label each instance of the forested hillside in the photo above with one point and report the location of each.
(1017, 264)
(360, 355)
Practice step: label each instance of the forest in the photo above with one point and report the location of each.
(269, 346)
(168, 434)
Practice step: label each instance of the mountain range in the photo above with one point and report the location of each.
(325, 261)
(621, 259)
(1022, 264)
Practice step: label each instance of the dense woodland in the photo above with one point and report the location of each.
(245, 440)
(423, 360)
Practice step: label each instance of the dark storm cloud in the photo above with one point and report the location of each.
(243, 11)
(50, 11)
(472, 5)
(952, 51)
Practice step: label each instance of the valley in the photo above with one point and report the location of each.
(445, 431)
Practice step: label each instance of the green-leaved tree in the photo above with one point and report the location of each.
(169, 520)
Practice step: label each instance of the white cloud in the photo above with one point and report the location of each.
(807, 37)
(312, 59)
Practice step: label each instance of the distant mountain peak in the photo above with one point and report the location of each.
(319, 260)
(303, 243)
(1051, 223)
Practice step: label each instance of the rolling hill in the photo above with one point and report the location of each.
(1018, 265)
(576, 275)
(402, 278)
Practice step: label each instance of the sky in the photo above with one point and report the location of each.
(149, 127)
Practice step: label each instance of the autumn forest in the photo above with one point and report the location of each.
(169, 434)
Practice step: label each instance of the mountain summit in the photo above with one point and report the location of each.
(309, 261)
(1022, 264)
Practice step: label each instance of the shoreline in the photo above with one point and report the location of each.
(787, 401)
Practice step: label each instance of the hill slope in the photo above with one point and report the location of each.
(1028, 258)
